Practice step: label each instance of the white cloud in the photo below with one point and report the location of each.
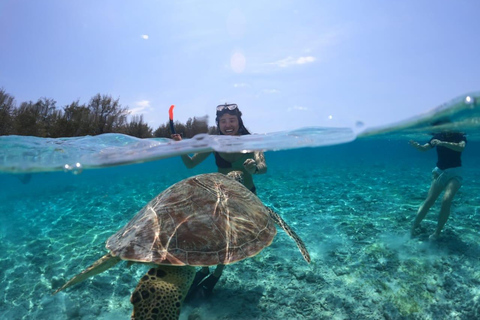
(143, 103)
(298, 108)
(240, 85)
(141, 106)
(270, 91)
(303, 60)
(290, 61)
(145, 36)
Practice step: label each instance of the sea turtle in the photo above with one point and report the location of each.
(205, 220)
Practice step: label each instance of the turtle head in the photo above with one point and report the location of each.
(237, 175)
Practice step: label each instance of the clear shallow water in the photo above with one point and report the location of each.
(351, 203)
(31, 154)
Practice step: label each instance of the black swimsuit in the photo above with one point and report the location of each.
(448, 158)
(221, 163)
(224, 164)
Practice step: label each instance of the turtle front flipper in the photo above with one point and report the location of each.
(279, 221)
(102, 264)
(161, 291)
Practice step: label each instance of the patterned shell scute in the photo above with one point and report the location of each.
(204, 220)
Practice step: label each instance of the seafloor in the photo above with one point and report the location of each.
(352, 204)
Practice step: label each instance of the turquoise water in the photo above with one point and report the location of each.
(351, 203)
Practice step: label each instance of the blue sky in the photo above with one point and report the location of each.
(287, 64)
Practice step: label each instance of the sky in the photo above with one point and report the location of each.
(287, 64)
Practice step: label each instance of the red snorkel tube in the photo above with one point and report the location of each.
(170, 114)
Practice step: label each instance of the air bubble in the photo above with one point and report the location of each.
(76, 168)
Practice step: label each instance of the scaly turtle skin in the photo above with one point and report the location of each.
(204, 220)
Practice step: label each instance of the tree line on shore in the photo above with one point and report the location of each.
(102, 114)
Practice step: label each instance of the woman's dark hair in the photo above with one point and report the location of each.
(448, 129)
(235, 112)
(440, 122)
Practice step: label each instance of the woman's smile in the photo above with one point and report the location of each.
(228, 124)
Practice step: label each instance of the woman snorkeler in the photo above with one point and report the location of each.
(229, 122)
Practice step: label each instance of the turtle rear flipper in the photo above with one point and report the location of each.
(102, 264)
(161, 291)
(279, 221)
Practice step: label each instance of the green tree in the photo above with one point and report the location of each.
(75, 121)
(108, 115)
(138, 128)
(46, 114)
(7, 106)
(25, 120)
(193, 127)
(35, 119)
(162, 131)
(179, 128)
(199, 125)
(103, 114)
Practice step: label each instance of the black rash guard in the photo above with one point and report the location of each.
(448, 158)
(220, 162)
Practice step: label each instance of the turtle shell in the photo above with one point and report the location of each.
(204, 220)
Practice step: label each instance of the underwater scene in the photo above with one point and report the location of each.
(350, 195)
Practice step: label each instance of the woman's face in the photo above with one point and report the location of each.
(228, 124)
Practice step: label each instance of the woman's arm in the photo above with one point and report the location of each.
(455, 146)
(418, 146)
(193, 161)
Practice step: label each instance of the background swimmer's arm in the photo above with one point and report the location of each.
(194, 160)
(418, 146)
(455, 146)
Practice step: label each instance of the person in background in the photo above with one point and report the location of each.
(229, 122)
(447, 175)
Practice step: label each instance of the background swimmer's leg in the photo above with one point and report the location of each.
(452, 187)
(433, 193)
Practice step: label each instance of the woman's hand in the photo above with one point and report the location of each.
(416, 145)
(176, 137)
(413, 143)
(250, 166)
(420, 147)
